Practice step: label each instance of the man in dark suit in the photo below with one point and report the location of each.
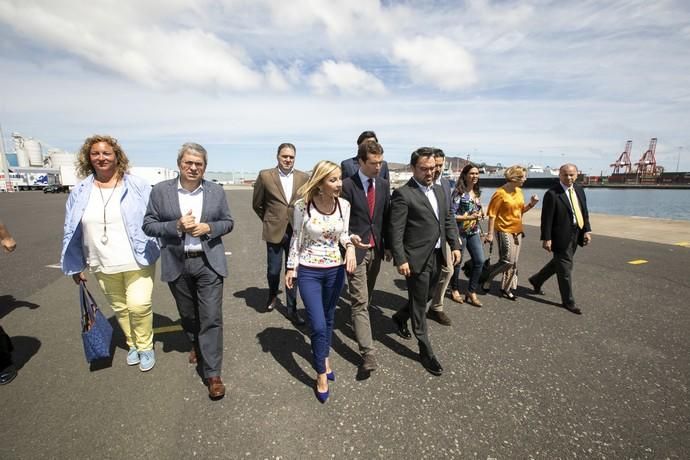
(189, 215)
(439, 290)
(369, 197)
(349, 167)
(420, 226)
(275, 190)
(564, 226)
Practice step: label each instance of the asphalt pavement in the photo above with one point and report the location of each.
(524, 379)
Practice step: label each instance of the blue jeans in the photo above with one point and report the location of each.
(473, 243)
(274, 265)
(320, 290)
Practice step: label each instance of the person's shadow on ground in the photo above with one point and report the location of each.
(24, 349)
(254, 297)
(8, 304)
(284, 344)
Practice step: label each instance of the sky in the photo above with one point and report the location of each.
(510, 82)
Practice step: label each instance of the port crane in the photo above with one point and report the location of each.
(623, 165)
(647, 165)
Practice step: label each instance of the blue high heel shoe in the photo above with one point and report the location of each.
(322, 397)
(331, 376)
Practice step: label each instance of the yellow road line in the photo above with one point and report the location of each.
(685, 244)
(165, 329)
(637, 262)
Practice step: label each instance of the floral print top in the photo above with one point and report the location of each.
(317, 237)
(464, 204)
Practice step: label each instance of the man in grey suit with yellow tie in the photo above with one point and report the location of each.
(275, 191)
(189, 215)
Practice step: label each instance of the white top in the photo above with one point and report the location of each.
(286, 181)
(115, 256)
(566, 189)
(195, 201)
(316, 237)
(431, 196)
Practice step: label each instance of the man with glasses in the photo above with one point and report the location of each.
(189, 215)
(275, 191)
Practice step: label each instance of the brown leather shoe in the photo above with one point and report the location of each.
(216, 388)
(455, 295)
(471, 298)
(440, 317)
(192, 356)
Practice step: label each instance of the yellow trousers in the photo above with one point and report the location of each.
(129, 294)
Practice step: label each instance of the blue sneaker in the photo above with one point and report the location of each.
(132, 357)
(148, 360)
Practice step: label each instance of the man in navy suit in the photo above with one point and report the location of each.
(420, 225)
(564, 226)
(350, 166)
(189, 215)
(369, 197)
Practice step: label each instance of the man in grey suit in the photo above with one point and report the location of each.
(420, 226)
(439, 291)
(189, 215)
(275, 191)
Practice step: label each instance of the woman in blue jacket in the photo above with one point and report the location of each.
(103, 219)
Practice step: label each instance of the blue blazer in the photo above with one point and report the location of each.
(161, 221)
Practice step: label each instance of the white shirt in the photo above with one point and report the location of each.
(431, 196)
(567, 194)
(365, 182)
(286, 180)
(195, 201)
(116, 255)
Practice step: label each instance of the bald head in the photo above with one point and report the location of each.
(567, 174)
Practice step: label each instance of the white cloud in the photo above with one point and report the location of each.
(436, 60)
(346, 78)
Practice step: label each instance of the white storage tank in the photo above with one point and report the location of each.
(57, 158)
(34, 151)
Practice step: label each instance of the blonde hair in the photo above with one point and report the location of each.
(321, 171)
(84, 166)
(511, 174)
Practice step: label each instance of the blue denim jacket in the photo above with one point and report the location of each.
(135, 198)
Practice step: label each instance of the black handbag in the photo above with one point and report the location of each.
(96, 331)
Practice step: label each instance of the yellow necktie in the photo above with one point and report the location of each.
(576, 208)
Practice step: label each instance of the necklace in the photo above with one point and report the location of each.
(104, 237)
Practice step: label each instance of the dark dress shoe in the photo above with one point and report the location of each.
(571, 307)
(192, 357)
(431, 364)
(295, 317)
(508, 295)
(8, 374)
(216, 388)
(369, 363)
(401, 328)
(440, 317)
(536, 288)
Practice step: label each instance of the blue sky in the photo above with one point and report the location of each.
(530, 81)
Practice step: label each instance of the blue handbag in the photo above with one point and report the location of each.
(96, 331)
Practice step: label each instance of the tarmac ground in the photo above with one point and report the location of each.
(524, 379)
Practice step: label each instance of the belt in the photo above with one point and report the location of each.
(193, 254)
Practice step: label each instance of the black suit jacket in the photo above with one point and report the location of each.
(350, 167)
(557, 217)
(414, 228)
(360, 222)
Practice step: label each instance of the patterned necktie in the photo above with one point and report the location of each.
(576, 208)
(371, 199)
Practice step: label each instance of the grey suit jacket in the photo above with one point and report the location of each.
(414, 228)
(270, 204)
(161, 221)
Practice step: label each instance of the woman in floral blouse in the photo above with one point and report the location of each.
(467, 209)
(320, 230)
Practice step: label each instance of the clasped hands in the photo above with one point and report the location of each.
(188, 224)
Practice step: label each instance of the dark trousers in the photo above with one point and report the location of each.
(5, 350)
(473, 243)
(562, 266)
(419, 289)
(276, 258)
(320, 289)
(198, 293)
